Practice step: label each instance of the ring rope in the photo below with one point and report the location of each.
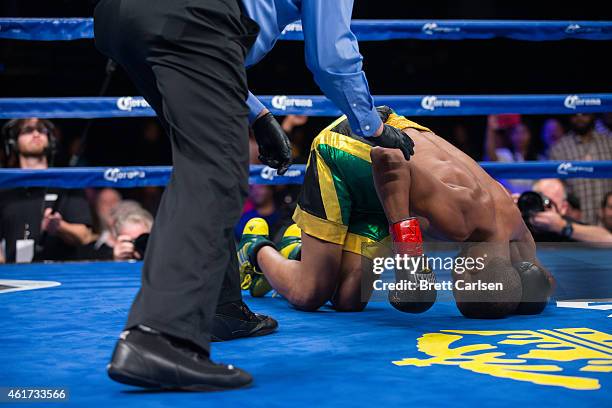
(424, 105)
(66, 29)
(134, 177)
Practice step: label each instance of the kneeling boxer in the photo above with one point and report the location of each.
(355, 193)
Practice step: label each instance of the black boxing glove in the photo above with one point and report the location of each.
(407, 240)
(274, 145)
(414, 300)
(536, 288)
(393, 138)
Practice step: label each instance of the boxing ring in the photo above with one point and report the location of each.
(60, 321)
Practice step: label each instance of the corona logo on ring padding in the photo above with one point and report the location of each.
(433, 102)
(571, 358)
(566, 168)
(433, 28)
(574, 101)
(283, 102)
(268, 173)
(578, 29)
(114, 174)
(127, 103)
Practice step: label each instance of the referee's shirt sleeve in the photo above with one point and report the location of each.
(332, 54)
(255, 107)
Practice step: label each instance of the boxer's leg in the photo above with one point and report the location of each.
(354, 286)
(309, 283)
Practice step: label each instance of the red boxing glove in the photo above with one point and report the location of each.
(407, 238)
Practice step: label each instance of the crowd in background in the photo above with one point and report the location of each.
(39, 224)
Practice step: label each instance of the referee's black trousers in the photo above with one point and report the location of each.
(186, 57)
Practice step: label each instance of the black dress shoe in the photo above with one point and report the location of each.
(235, 320)
(147, 358)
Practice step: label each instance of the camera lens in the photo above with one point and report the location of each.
(529, 203)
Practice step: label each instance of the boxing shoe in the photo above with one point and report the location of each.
(144, 357)
(290, 245)
(235, 320)
(254, 237)
(421, 296)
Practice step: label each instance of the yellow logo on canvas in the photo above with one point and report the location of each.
(541, 363)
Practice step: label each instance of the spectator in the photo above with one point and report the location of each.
(554, 225)
(605, 213)
(460, 138)
(583, 142)
(46, 224)
(106, 201)
(603, 125)
(101, 248)
(554, 189)
(573, 210)
(300, 146)
(552, 132)
(509, 141)
(101, 245)
(497, 134)
(124, 207)
(129, 225)
(260, 203)
(253, 149)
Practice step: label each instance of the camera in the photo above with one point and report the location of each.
(140, 243)
(531, 202)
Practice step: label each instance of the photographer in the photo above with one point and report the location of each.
(545, 212)
(130, 228)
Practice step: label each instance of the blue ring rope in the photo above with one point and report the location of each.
(133, 177)
(425, 105)
(64, 29)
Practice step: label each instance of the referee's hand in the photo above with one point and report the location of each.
(274, 145)
(393, 138)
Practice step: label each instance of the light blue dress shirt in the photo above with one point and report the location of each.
(332, 53)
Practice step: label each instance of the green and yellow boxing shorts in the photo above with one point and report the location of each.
(338, 202)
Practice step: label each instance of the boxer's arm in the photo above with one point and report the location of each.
(332, 54)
